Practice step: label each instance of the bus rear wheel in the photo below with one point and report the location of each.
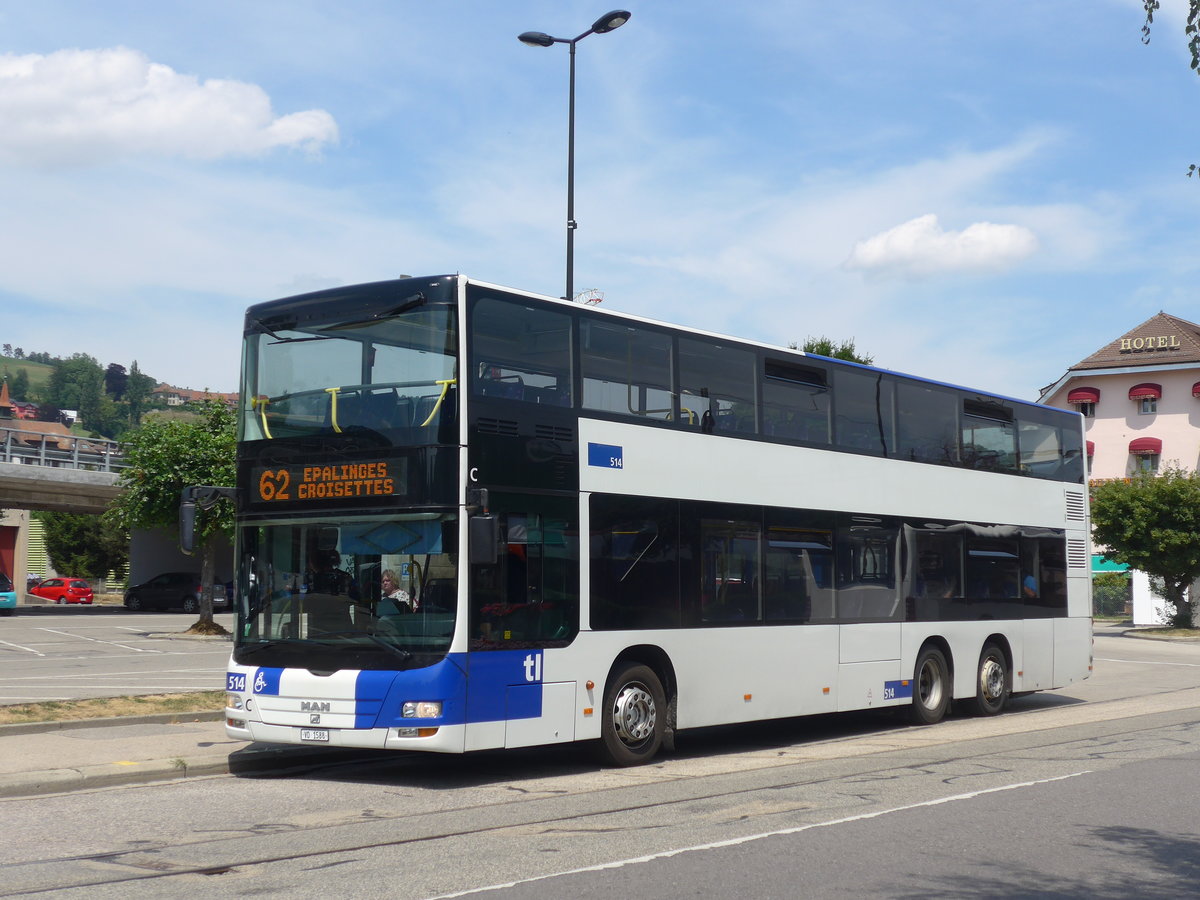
(993, 684)
(931, 687)
(635, 707)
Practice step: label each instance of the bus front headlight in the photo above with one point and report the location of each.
(422, 709)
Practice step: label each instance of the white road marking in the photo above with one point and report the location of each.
(1142, 662)
(733, 842)
(98, 641)
(19, 647)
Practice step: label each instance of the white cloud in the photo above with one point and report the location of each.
(921, 247)
(77, 107)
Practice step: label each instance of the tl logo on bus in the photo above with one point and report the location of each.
(533, 667)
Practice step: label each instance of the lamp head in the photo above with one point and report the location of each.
(611, 21)
(535, 39)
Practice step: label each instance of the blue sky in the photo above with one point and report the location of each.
(976, 193)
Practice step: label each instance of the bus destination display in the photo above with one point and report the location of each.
(344, 481)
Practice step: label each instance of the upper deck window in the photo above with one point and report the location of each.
(626, 369)
(989, 437)
(521, 352)
(927, 420)
(392, 374)
(864, 411)
(795, 402)
(716, 385)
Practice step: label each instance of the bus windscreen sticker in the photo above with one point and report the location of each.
(606, 456)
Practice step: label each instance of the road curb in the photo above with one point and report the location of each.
(148, 719)
(248, 761)
(1166, 638)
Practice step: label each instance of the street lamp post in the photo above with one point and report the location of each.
(606, 23)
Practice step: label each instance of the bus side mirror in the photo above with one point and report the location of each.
(187, 523)
(205, 496)
(483, 540)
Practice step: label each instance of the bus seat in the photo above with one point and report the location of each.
(510, 388)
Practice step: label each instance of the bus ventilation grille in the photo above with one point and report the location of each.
(497, 426)
(1077, 553)
(1076, 508)
(555, 433)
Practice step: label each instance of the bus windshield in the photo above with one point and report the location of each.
(393, 373)
(372, 592)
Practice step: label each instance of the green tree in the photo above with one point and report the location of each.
(115, 380)
(1110, 593)
(824, 346)
(18, 388)
(1191, 31)
(78, 383)
(137, 393)
(84, 545)
(164, 457)
(1152, 523)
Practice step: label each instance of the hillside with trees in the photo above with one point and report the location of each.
(110, 400)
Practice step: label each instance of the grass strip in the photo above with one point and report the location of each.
(111, 707)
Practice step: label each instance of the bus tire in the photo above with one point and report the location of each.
(993, 682)
(634, 716)
(931, 687)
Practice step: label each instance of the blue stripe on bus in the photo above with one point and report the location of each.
(898, 690)
(504, 684)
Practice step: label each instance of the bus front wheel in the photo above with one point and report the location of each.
(931, 687)
(631, 730)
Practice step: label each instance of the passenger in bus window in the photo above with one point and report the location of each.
(934, 581)
(324, 576)
(394, 599)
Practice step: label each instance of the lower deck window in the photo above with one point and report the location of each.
(658, 563)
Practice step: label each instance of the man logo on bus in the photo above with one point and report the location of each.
(533, 667)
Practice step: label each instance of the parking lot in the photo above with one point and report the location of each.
(78, 653)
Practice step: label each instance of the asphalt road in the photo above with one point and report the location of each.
(1086, 792)
(78, 653)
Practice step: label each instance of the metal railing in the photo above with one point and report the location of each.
(37, 448)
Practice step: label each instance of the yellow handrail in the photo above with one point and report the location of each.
(261, 402)
(442, 396)
(333, 395)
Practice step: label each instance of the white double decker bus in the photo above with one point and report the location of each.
(471, 517)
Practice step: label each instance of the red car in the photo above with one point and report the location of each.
(63, 590)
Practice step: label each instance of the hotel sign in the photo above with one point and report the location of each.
(1143, 345)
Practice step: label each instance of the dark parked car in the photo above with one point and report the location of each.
(172, 590)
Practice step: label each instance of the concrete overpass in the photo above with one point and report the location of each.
(43, 466)
(77, 475)
(56, 488)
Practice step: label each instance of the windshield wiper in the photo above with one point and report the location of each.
(286, 340)
(417, 299)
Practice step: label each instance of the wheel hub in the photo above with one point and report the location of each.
(991, 679)
(634, 714)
